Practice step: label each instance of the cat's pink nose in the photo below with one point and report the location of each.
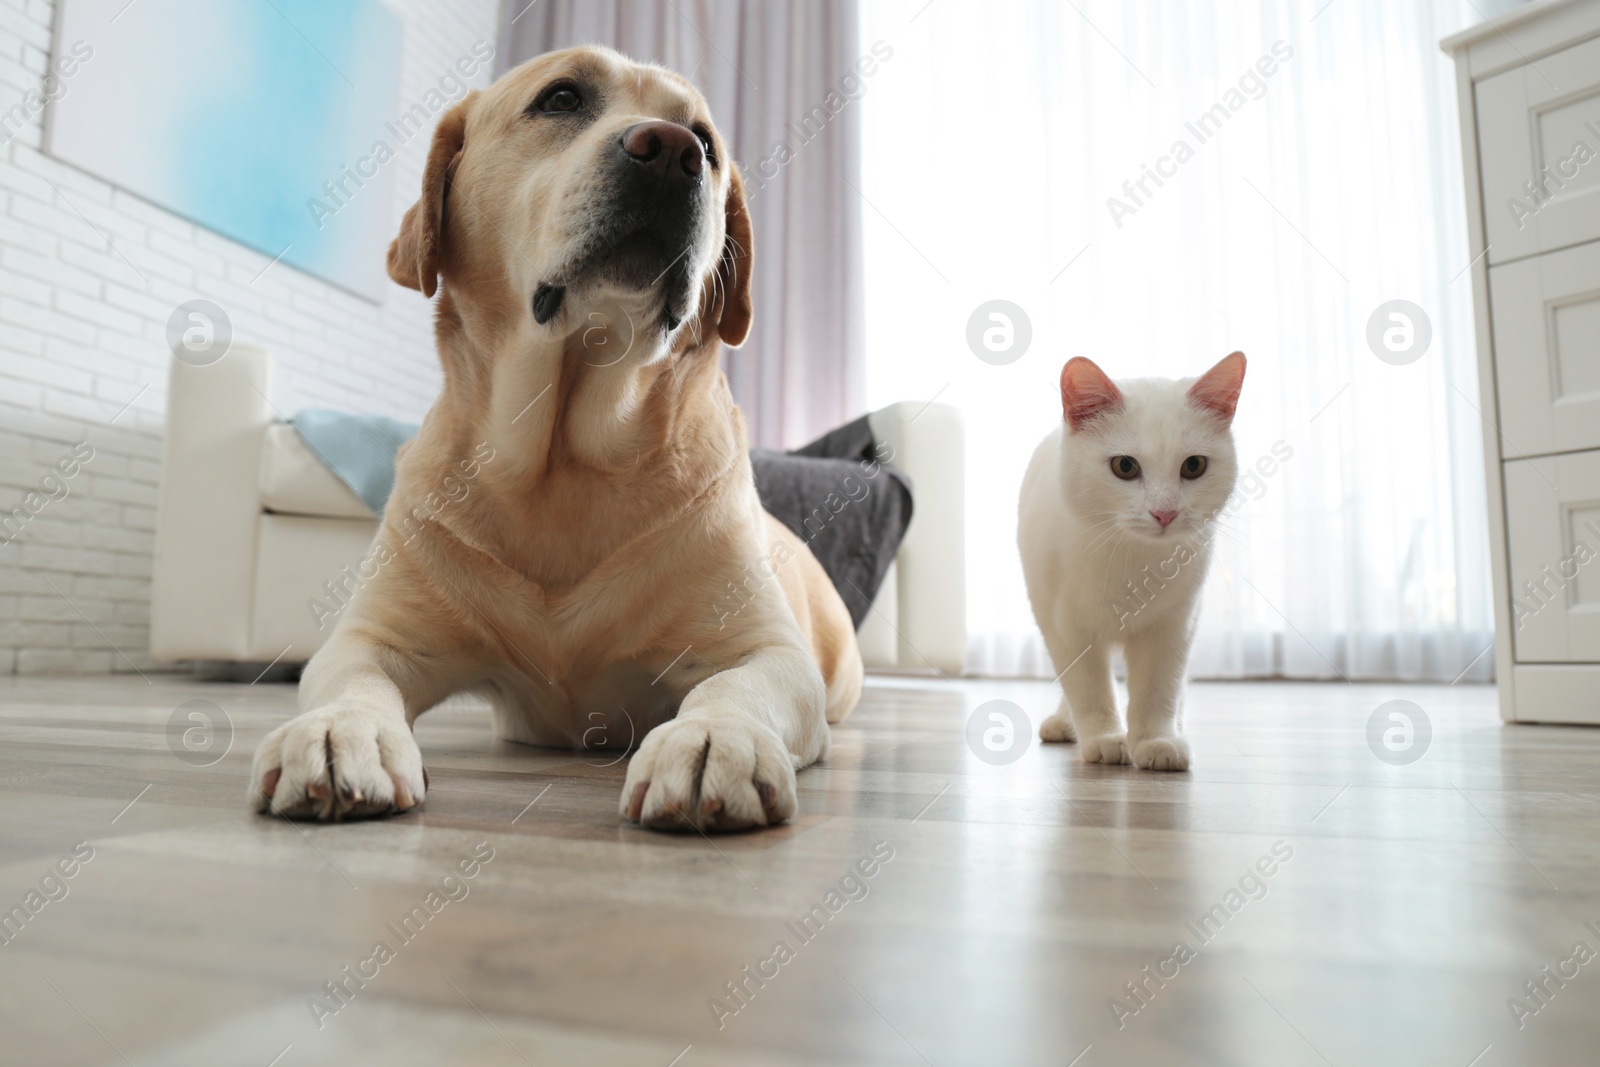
(1164, 517)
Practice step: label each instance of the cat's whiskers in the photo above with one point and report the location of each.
(1236, 540)
(1105, 537)
(1234, 533)
(1127, 544)
(1084, 551)
(1114, 517)
(1088, 547)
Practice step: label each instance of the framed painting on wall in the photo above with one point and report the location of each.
(264, 120)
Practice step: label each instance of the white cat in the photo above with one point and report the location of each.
(1115, 529)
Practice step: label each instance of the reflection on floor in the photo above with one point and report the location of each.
(1295, 899)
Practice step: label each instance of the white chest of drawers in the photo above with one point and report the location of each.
(1530, 130)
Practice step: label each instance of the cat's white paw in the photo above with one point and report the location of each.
(1162, 754)
(1058, 727)
(1112, 748)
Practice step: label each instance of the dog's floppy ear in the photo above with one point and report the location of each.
(414, 254)
(733, 269)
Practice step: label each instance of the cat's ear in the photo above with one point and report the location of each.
(1217, 391)
(1086, 392)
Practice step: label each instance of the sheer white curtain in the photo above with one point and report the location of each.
(1316, 192)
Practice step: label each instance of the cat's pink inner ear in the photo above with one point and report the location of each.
(1217, 391)
(1086, 392)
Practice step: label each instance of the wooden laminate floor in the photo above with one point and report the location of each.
(1008, 905)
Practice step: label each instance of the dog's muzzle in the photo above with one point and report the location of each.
(658, 197)
(649, 212)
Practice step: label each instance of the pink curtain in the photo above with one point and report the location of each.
(783, 78)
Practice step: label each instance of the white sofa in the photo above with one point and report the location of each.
(250, 525)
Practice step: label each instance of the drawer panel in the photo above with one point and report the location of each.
(1557, 694)
(1553, 548)
(1531, 124)
(1547, 350)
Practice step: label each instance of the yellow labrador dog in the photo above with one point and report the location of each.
(590, 241)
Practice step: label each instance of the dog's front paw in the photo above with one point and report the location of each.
(1112, 748)
(338, 762)
(709, 774)
(1162, 754)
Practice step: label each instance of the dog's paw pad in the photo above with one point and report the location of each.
(709, 774)
(338, 762)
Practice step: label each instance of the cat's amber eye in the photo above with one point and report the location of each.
(1193, 467)
(1125, 467)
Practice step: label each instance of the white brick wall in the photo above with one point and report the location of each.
(82, 335)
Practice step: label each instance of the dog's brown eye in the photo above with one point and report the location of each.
(1193, 467)
(1125, 467)
(559, 98)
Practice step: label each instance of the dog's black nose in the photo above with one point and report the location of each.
(665, 148)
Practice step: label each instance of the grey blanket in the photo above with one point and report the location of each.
(838, 496)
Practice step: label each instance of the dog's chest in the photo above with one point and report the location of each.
(608, 706)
